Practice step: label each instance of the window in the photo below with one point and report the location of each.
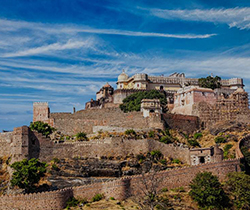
(202, 160)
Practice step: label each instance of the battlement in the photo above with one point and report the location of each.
(120, 189)
(40, 104)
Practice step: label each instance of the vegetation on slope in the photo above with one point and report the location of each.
(41, 127)
(207, 191)
(27, 173)
(133, 101)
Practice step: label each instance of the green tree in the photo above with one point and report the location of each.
(238, 188)
(28, 173)
(207, 191)
(133, 101)
(210, 82)
(41, 127)
(246, 153)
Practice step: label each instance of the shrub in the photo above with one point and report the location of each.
(81, 136)
(163, 161)
(166, 132)
(193, 143)
(228, 147)
(72, 202)
(220, 139)
(197, 136)
(177, 161)
(133, 101)
(178, 189)
(165, 189)
(112, 198)
(97, 197)
(55, 167)
(41, 127)
(56, 160)
(166, 140)
(226, 150)
(238, 188)
(140, 157)
(130, 132)
(156, 154)
(27, 173)
(151, 134)
(207, 191)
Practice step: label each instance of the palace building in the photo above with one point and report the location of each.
(107, 96)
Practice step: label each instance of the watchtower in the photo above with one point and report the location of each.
(41, 111)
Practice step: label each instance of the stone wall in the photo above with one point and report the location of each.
(55, 200)
(185, 123)
(5, 141)
(115, 146)
(15, 143)
(28, 144)
(119, 189)
(85, 120)
(223, 111)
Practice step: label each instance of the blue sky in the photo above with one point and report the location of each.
(64, 51)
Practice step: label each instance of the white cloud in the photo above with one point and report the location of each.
(234, 17)
(8, 25)
(49, 48)
(145, 34)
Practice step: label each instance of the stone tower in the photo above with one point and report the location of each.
(41, 111)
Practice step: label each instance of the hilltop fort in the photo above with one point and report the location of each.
(190, 108)
(189, 105)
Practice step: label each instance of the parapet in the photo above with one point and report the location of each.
(140, 77)
(40, 104)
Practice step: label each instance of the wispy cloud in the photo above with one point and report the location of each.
(10, 25)
(145, 34)
(234, 17)
(52, 47)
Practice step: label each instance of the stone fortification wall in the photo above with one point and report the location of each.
(115, 146)
(221, 111)
(185, 123)
(5, 141)
(84, 120)
(119, 189)
(243, 142)
(15, 143)
(28, 144)
(55, 200)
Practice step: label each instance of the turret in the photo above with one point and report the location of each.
(122, 79)
(41, 111)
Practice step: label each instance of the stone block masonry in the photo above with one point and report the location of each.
(55, 200)
(88, 120)
(119, 189)
(85, 120)
(28, 144)
(44, 149)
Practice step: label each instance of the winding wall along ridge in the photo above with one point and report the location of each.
(120, 188)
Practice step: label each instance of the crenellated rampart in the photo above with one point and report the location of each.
(119, 189)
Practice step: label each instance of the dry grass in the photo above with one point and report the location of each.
(177, 201)
(4, 174)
